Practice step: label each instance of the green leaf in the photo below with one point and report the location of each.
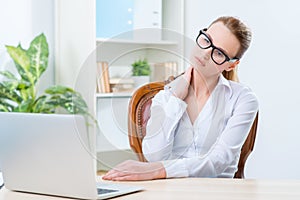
(8, 75)
(23, 85)
(21, 60)
(17, 85)
(5, 106)
(24, 106)
(58, 89)
(67, 98)
(38, 54)
(7, 91)
(10, 85)
(41, 106)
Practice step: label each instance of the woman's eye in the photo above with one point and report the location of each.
(206, 40)
(218, 53)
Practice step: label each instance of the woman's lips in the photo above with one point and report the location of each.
(199, 61)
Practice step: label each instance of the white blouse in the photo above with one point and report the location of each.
(211, 146)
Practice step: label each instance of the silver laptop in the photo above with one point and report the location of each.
(50, 154)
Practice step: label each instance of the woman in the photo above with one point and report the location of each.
(200, 121)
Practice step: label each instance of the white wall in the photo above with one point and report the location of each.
(75, 55)
(271, 68)
(20, 22)
(75, 38)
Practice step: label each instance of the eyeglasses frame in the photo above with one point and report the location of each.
(227, 58)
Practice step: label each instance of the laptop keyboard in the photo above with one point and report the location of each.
(104, 191)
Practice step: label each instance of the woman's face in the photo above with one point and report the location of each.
(222, 38)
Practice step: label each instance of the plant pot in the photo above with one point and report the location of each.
(140, 80)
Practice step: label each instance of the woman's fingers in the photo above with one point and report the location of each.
(180, 86)
(117, 176)
(135, 170)
(120, 170)
(188, 73)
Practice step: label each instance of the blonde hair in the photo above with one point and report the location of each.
(231, 75)
(244, 36)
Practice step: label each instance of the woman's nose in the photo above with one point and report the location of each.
(206, 53)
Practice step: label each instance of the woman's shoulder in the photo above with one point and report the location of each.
(235, 89)
(238, 87)
(241, 90)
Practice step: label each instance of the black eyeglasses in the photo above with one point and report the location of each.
(217, 55)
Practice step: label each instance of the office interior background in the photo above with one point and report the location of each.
(270, 67)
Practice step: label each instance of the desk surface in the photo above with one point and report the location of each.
(196, 188)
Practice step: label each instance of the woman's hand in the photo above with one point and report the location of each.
(131, 170)
(180, 86)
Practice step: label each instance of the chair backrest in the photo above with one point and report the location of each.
(139, 114)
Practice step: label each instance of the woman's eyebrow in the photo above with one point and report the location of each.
(209, 36)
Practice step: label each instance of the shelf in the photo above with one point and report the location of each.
(114, 95)
(123, 41)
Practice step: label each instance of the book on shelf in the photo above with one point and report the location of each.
(121, 84)
(103, 77)
(162, 71)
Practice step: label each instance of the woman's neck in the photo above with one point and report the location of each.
(203, 86)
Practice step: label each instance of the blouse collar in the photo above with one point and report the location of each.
(226, 83)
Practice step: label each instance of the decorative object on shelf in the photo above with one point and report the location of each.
(19, 93)
(162, 71)
(121, 18)
(114, 17)
(141, 72)
(103, 77)
(141, 68)
(121, 84)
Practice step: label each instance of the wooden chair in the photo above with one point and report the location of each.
(139, 113)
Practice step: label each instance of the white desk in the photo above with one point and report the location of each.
(196, 188)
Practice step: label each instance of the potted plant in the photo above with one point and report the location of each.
(18, 93)
(141, 72)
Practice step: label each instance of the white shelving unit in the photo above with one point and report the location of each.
(123, 41)
(76, 42)
(114, 95)
(112, 108)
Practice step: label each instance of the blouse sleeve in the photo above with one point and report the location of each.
(225, 150)
(166, 111)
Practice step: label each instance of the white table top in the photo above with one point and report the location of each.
(196, 188)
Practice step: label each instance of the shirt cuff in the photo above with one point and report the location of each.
(175, 168)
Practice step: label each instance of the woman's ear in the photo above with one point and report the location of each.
(232, 66)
